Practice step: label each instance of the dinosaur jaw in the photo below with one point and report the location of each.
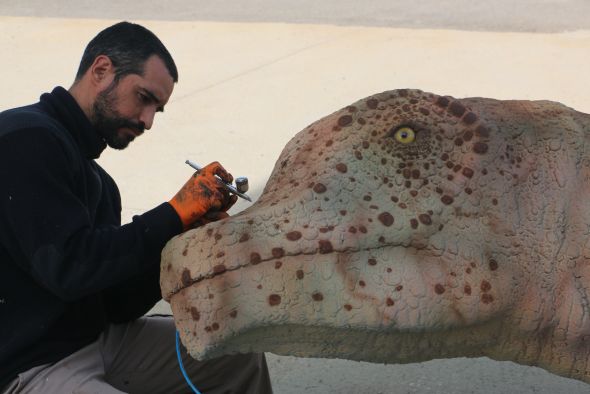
(323, 305)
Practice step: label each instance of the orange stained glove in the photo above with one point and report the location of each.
(202, 194)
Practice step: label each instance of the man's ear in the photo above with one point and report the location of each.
(102, 72)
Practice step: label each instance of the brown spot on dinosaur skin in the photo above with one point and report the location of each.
(278, 264)
(442, 102)
(220, 254)
(425, 219)
(344, 120)
(348, 307)
(362, 283)
(300, 274)
(186, 277)
(487, 298)
(480, 148)
(493, 265)
(398, 287)
(218, 236)
(233, 314)
(372, 261)
(329, 143)
(414, 223)
(358, 155)
(259, 287)
(467, 172)
(352, 230)
(317, 296)
(319, 188)
(372, 103)
(293, 235)
(389, 302)
(277, 253)
(244, 237)
(495, 201)
(386, 219)
(195, 314)
(274, 299)
(255, 258)
(447, 200)
(325, 247)
(215, 326)
(469, 118)
(367, 198)
(362, 229)
(219, 269)
(341, 167)
(185, 252)
(424, 111)
(467, 289)
(485, 286)
(439, 289)
(343, 212)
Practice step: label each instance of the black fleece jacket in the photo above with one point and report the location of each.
(67, 266)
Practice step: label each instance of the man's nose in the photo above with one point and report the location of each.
(147, 117)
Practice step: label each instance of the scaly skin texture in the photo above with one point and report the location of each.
(472, 240)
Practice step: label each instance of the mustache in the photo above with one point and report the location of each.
(137, 126)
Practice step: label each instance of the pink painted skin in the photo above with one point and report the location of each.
(405, 227)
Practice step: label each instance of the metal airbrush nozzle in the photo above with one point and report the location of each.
(228, 186)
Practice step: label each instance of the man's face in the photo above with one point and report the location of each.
(127, 107)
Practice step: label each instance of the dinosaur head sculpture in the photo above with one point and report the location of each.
(404, 227)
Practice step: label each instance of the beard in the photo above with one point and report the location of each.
(108, 121)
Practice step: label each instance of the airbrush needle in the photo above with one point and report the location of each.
(228, 186)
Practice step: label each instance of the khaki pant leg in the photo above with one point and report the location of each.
(140, 357)
(81, 372)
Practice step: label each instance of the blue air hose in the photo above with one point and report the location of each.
(188, 380)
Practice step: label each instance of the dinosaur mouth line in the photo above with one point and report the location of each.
(220, 269)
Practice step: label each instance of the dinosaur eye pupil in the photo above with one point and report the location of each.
(404, 135)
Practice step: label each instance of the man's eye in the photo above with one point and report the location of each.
(143, 98)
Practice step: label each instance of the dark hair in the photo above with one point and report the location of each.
(128, 45)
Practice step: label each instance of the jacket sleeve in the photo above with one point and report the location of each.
(48, 229)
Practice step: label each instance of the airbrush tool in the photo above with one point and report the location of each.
(241, 183)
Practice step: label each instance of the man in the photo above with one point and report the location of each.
(75, 283)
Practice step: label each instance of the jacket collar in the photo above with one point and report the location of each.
(68, 112)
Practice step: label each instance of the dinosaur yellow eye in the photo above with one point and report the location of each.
(405, 135)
